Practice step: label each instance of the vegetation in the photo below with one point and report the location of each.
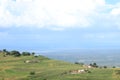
(105, 66)
(20, 67)
(79, 63)
(16, 53)
(94, 65)
(32, 73)
(26, 53)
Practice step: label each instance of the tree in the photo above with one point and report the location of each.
(113, 67)
(6, 52)
(25, 53)
(94, 65)
(76, 62)
(32, 73)
(15, 53)
(79, 63)
(105, 66)
(33, 53)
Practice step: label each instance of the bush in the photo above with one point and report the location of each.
(79, 63)
(94, 65)
(33, 53)
(113, 67)
(105, 66)
(26, 54)
(15, 53)
(89, 71)
(35, 56)
(32, 73)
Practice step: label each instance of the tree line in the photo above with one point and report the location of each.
(16, 53)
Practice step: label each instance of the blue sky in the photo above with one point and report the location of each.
(59, 24)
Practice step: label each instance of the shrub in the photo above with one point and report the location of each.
(94, 65)
(89, 71)
(35, 56)
(105, 66)
(32, 73)
(15, 53)
(26, 54)
(113, 67)
(33, 53)
(79, 63)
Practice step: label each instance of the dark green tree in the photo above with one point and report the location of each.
(15, 53)
(6, 52)
(32, 73)
(79, 63)
(113, 67)
(105, 66)
(33, 53)
(26, 53)
(94, 65)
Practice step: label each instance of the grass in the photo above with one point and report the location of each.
(14, 68)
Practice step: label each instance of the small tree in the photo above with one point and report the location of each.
(33, 53)
(105, 66)
(79, 63)
(32, 73)
(113, 67)
(15, 53)
(25, 53)
(94, 65)
(4, 50)
(7, 53)
(76, 62)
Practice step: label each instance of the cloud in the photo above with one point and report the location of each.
(115, 15)
(115, 11)
(58, 14)
(46, 13)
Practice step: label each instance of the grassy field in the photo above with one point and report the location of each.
(15, 68)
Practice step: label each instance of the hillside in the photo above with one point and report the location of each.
(41, 68)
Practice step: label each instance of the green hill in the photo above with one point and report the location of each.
(41, 68)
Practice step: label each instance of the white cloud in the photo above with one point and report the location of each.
(115, 9)
(115, 12)
(42, 13)
(114, 15)
(58, 14)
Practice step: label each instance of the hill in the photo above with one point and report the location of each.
(42, 68)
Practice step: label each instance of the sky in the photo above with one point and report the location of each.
(59, 24)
